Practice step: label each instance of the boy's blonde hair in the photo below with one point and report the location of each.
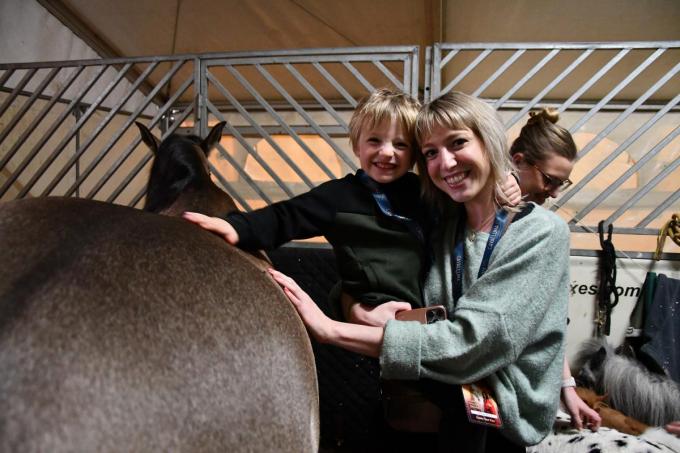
(456, 110)
(382, 105)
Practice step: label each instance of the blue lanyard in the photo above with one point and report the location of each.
(386, 208)
(458, 258)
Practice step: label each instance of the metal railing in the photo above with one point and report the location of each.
(621, 100)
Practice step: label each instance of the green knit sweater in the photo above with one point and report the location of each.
(508, 327)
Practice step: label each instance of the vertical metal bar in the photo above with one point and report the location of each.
(100, 127)
(504, 67)
(39, 117)
(415, 71)
(203, 98)
(598, 75)
(461, 75)
(73, 130)
(548, 88)
(48, 134)
(263, 133)
(575, 127)
(319, 130)
(253, 92)
(116, 137)
(27, 105)
(427, 83)
(526, 78)
(437, 72)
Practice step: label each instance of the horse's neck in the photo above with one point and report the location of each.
(209, 201)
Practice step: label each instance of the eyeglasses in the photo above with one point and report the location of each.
(553, 182)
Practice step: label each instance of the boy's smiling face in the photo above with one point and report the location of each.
(384, 151)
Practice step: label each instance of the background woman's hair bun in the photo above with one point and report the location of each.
(546, 113)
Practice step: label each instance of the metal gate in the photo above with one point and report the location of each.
(619, 101)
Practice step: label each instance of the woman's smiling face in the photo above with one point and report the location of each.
(457, 163)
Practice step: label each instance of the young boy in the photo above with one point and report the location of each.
(374, 219)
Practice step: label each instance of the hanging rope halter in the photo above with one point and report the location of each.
(607, 297)
(670, 229)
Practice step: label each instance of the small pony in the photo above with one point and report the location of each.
(653, 399)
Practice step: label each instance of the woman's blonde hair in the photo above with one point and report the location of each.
(382, 105)
(541, 137)
(456, 111)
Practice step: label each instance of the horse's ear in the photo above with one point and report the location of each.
(599, 358)
(147, 137)
(213, 137)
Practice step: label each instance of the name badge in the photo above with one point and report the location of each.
(480, 405)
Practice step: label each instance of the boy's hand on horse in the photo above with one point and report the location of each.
(218, 226)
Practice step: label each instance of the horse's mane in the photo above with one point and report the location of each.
(178, 166)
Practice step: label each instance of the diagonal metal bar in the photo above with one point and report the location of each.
(626, 113)
(357, 75)
(316, 95)
(39, 117)
(256, 95)
(131, 147)
(322, 133)
(17, 89)
(263, 133)
(613, 125)
(100, 127)
(27, 104)
(242, 172)
(527, 77)
(464, 73)
(253, 152)
(576, 126)
(672, 198)
(231, 191)
(327, 75)
(628, 173)
(598, 75)
(396, 82)
(504, 67)
(124, 127)
(48, 134)
(549, 88)
(148, 156)
(7, 73)
(69, 136)
(448, 57)
(645, 189)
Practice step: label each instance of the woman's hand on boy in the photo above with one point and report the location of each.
(218, 226)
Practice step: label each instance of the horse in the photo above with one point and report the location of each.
(125, 330)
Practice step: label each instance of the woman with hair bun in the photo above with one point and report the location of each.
(544, 154)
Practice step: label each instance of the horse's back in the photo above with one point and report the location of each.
(123, 330)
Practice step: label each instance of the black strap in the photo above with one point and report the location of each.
(607, 297)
